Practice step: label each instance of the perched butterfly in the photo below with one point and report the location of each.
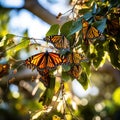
(89, 32)
(113, 26)
(45, 80)
(75, 71)
(43, 72)
(44, 77)
(3, 69)
(44, 60)
(59, 41)
(74, 58)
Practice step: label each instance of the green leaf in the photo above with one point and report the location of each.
(7, 40)
(94, 10)
(89, 3)
(54, 29)
(85, 10)
(99, 60)
(114, 54)
(9, 36)
(66, 67)
(23, 44)
(100, 25)
(86, 67)
(66, 28)
(2, 41)
(46, 98)
(65, 76)
(76, 26)
(88, 15)
(83, 80)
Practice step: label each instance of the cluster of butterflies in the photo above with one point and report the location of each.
(45, 61)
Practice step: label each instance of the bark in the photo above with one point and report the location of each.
(34, 7)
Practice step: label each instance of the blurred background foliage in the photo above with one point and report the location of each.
(94, 96)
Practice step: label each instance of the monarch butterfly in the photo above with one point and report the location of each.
(44, 60)
(43, 72)
(45, 80)
(113, 26)
(88, 31)
(75, 71)
(74, 58)
(44, 77)
(59, 41)
(3, 69)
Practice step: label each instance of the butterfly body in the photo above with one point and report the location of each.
(74, 58)
(89, 32)
(75, 71)
(59, 41)
(44, 77)
(44, 60)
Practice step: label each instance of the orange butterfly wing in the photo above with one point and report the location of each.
(47, 60)
(59, 41)
(85, 26)
(88, 31)
(54, 38)
(37, 60)
(92, 33)
(75, 71)
(74, 58)
(54, 60)
(44, 77)
(43, 72)
(45, 80)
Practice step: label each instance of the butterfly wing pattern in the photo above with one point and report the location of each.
(89, 32)
(59, 41)
(75, 71)
(44, 77)
(74, 58)
(44, 60)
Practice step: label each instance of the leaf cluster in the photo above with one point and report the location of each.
(104, 16)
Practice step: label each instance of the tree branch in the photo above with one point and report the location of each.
(34, 7)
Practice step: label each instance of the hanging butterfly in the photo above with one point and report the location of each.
(74, 58)
(113, 26)
(59, 41)
(89, 32)
(44, 60)
(3, 69)
(43, 72)
(45, 80)
(75, 71)
(44, 77)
